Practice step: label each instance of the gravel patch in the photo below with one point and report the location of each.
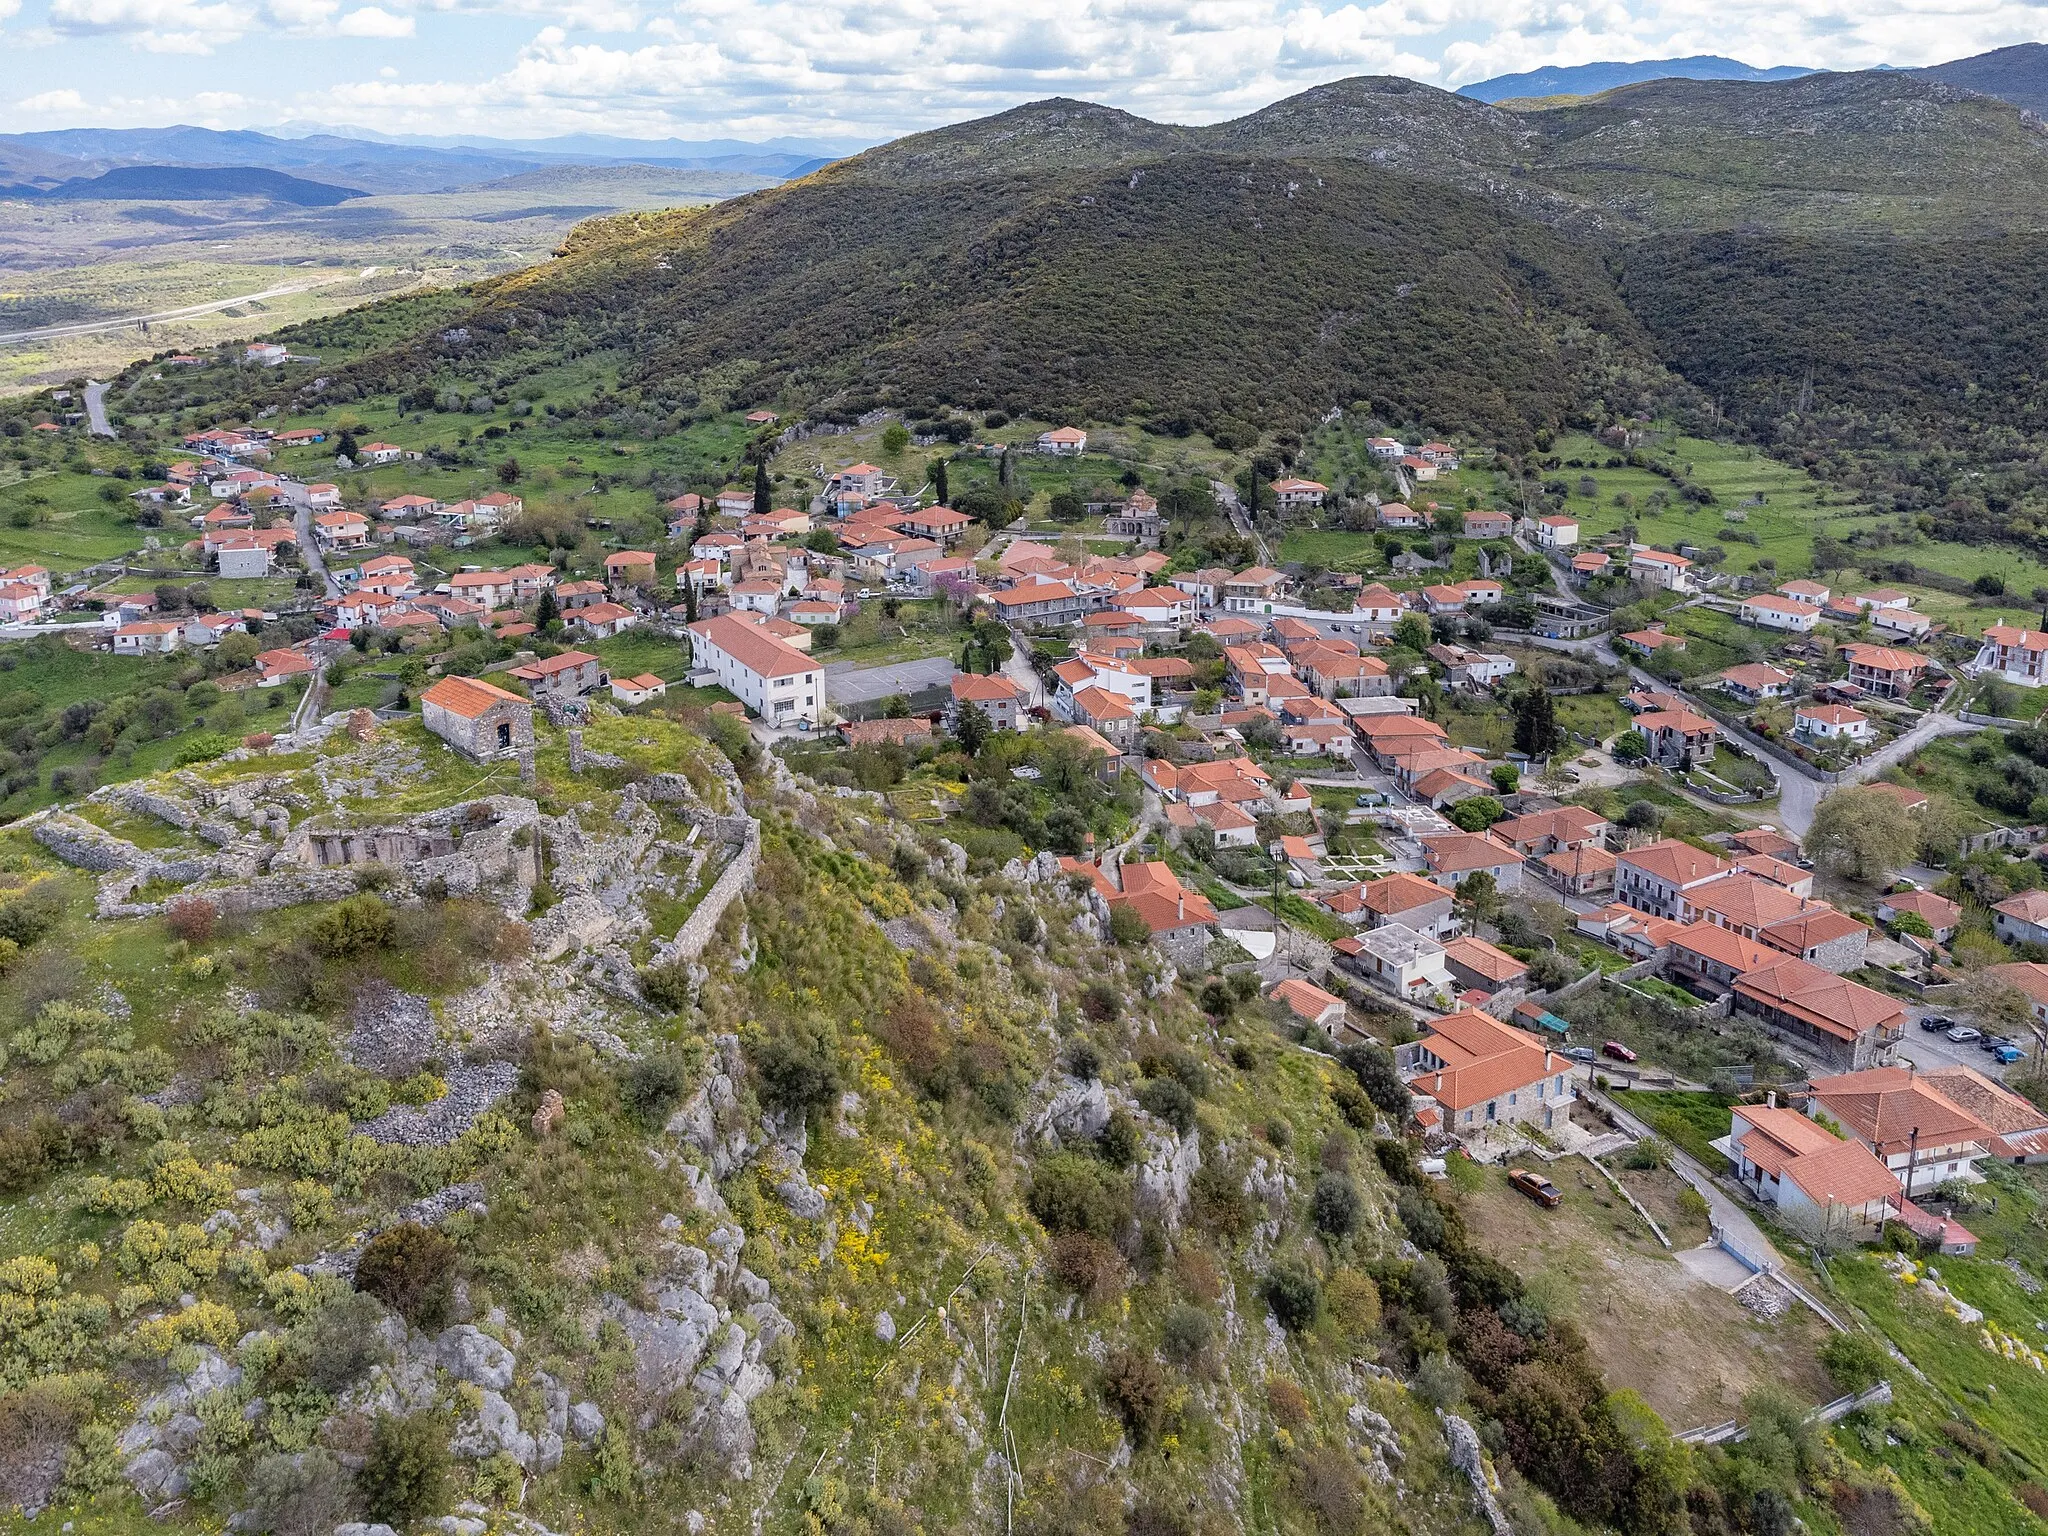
(391, 1032)
(471, 1091)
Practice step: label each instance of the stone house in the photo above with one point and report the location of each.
(480, 721)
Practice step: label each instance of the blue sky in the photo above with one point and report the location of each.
(857, 71)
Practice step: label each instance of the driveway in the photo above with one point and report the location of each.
(848, 682)
(1728, 1214)
(309, 547)
(96, 409)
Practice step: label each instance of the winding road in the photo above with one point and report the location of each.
(189, 311)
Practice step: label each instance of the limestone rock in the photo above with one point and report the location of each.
(474, 1356)
(586, 1423)
(1077, 1113)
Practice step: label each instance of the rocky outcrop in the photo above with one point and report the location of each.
(1469, 1457)
(157, 1445)
(706, 1323)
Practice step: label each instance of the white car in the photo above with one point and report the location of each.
(1962, 1034)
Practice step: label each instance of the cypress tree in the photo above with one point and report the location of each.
(762, 502)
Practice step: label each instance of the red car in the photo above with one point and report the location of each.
(1618, 1051)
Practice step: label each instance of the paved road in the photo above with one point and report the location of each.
(848, 682)
(1798, 795)
(1018, 670)
(96, 409)
(309, 547)
(95, 327)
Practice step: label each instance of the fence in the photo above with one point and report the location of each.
(1971, 717)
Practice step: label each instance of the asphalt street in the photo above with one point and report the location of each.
(848, 682)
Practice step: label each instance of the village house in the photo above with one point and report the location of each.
(1767, 610)
(1066, 442)
(1657, 878)
(1400, 960)
(1545, 832)
(1714, 956)
(1655, 568)
(1844, 1023)
(1043, 602)
(1755, 681)
(1253, 590)
(1585, 871)
(2013, 655)
(771, 677)
(1786, 1160)
(1169, 909)
(1398, 515)
(1292, 495)
(1812, 593)
(1831, 722)
(380, 453)
(1311, 1004)
(1488, 525)
(1479, 1072)
(1385, 448)
(1938, 912)
(479, 720)
(1589, 565)
(1919, 1135)
(563, 678)
(631, 691)
(996, 696)
(341, 530)
(1822, 936)
(628, 568)
(1477, 966)
(1455, 857)
(1557, 533)
(1901, 624)
(1888, 673)
(1678, 736)
(1648, 642)
(603, 620)
(150, 637)
(1409, 900)
(2022, 919)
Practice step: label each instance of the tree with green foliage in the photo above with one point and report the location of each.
(1476, 813)
(1862, 834)
(825, 637)
(347, 447)
(1507, 778)
(549, 611)
(1632, 746)
(1537, 733)
(405, 1472)
(509, 472)
(1411, 633)
(764, 493)
(1067, 507)
(972, 729)
(1126, 927)
(938, 477)
(896, 707)
(895, 438)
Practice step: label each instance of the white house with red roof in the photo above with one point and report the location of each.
(771, 677)
(1831, 722)
(1557, 532)
(1658, 568)
(1293, 495)
(1767, 610)
(1478, 1072)
(1064, 441)
(2013, 655)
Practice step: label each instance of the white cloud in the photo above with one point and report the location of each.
(57, 103)
(870, 69)
(373, 21)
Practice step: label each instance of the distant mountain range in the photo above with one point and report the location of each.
(189, 184)
(381, 164)
(1591, 79)
(2018, 74)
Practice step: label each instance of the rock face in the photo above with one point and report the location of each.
(1077, 1113)
(687, 1335)
(471, 1091)
(1469, 1457)
(469, 1354)
(159, 1441)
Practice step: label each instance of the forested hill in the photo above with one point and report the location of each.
(1372, 239)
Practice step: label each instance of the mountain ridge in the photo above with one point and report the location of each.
(1592, 79)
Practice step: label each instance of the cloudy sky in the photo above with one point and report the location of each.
(858, 71)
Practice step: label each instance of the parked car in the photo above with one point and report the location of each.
(1618, 1051)
(1962, 1034)
(1934, 1023)
(2006, 1055)
(1993, 1043)
(1536, 1187)
(1585, 1055)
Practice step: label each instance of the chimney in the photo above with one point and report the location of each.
(1771, 1099)
(1180, 904)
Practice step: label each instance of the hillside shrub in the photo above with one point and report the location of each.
(653, 1085)
(353, 927)
(798, 1066)
(411, 1269)
(405, 1473)
(1295, 1295)
(1136, 1389)
(1072, 1193)
(303, 1495)
(1336, 1205)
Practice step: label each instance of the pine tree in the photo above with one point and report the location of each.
(762, 496)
